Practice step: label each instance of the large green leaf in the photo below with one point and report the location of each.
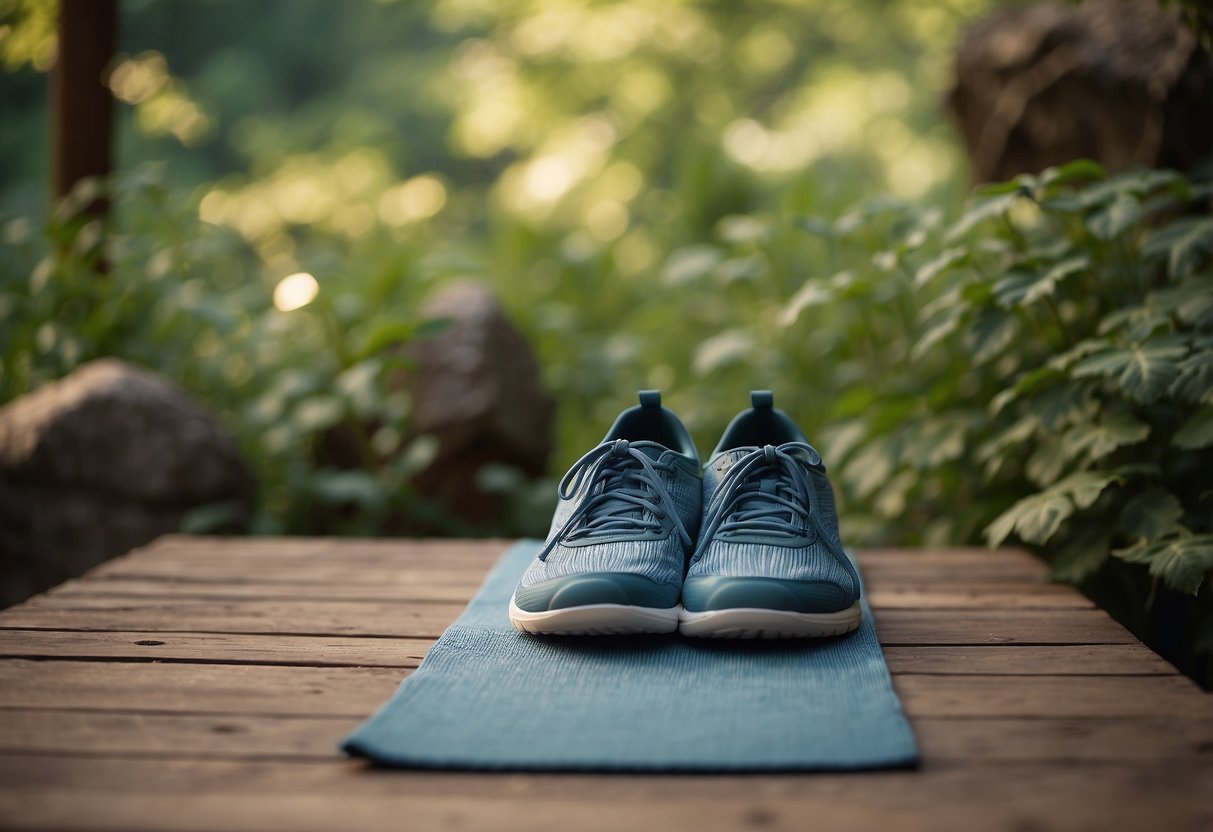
(1075, 171)
(1143, 371)
(1152, 514)
(1036, 518)
(1194, 383)
(1028, 383)
(1190, 301)
(1024, 288)
(935, 442)
(1196, 432)
(728, 347)
(1111, 220)
(1046, 464)
(1095, 440)
(986, 208)
(1137, 322)
(995, 452)
(1082, 349)
(940, 263)
(992, 332)
(1184, 244)
(1066, 404)
(872, 465)
(1183, 563)
(1133, 183)
(936, 331)
(690, 264)
(812, 293)
(1082, 558)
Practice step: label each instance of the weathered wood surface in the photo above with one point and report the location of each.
(204, 684)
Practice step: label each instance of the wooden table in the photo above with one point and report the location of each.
(204, 683)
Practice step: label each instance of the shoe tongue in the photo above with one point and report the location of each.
(653, 450)
(725, 460)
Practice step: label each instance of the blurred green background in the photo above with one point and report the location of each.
(703, 197)
(625, 175)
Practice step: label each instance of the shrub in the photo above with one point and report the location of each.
(1073, 407)
(306, 391)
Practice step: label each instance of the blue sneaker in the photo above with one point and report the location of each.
(769, 562)
(615, 556)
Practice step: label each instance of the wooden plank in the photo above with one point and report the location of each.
(342, 559)
(1076, 626)
(428, 620)
(249, 569)
(1160, 740)
(1048, 660)
(172, 736)
(294, 548)
(354, 556)
(159, 588)
(926, 595)
(938, 695)
(295, 738)
(402, 640)
(994, 595)
(415, 620)
(328, 573)
(386, 551)
(410, 619)
(149, 688)
(1051, 696)
(68, 793)
(898, 628)
(424, 549)
(890, 595)
(309, 651)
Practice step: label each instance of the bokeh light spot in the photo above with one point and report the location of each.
(295, 291)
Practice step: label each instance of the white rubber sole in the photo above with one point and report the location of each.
(595, 620)
(751, 622)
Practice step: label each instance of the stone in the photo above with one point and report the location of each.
(104, 460)
(477, 390)
(1122, 82)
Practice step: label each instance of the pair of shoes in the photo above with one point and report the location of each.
(643, 542)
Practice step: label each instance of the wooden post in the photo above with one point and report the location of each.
(83, 105)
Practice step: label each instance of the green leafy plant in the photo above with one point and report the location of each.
(306, 387)
(1073, 409)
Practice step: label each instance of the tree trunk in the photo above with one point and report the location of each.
(83, 105)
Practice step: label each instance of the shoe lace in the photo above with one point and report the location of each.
(626, 496)
(766, 491)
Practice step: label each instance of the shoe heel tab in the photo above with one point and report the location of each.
(762, 399)
(650, 399)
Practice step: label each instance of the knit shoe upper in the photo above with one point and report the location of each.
(628, 513)
(770, 530)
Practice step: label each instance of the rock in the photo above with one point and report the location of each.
(102, 461)
(1122, 82)
(477, 390)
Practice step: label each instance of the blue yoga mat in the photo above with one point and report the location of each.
(489, 697)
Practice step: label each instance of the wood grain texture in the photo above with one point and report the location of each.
(82, 793)
(156, 687)
(428, 620)
(203, 683)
